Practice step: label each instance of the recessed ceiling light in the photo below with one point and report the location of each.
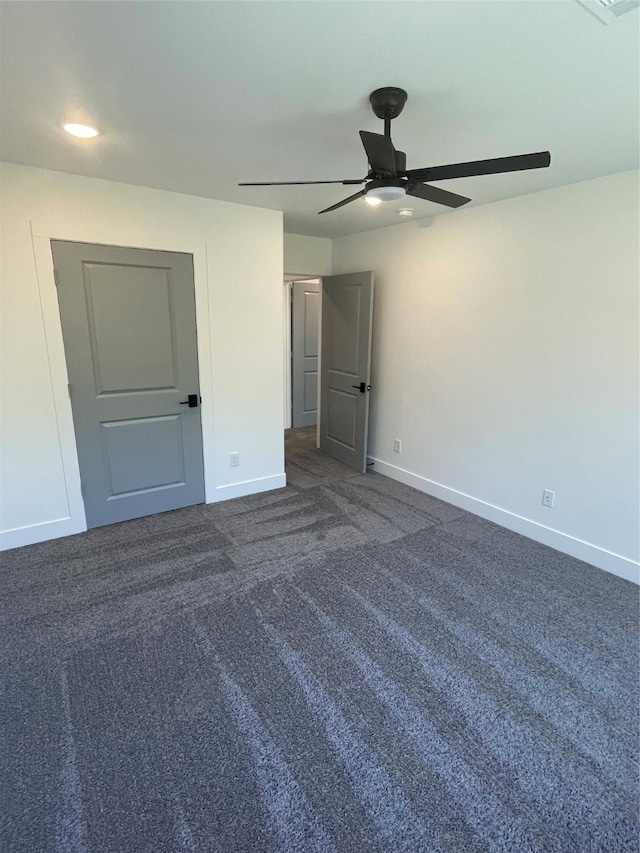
(81, 130)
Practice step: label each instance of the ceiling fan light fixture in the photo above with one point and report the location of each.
(82, 131)
(384, 193)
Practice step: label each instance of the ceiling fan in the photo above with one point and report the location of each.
(388, 178)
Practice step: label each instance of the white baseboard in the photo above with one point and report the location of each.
(601, 558)
(33, 533)
(249, 487)
(616, 564)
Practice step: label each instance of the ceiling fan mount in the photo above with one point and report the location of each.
(388, 102)
(388, 177)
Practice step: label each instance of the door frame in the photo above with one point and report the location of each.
(42, 233)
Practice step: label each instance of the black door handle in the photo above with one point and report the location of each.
(191, 401)
(362, 387)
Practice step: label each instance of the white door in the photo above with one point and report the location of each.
(345, 371)
(305, 312)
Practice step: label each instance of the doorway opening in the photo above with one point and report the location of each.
(302, 298)
(327, 362)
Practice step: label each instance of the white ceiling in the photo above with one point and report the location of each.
(196, 96)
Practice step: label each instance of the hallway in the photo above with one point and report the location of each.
(306, 466)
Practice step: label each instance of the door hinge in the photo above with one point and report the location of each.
(69, 389)
(55, 277)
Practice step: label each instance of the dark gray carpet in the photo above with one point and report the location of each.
(342, 665)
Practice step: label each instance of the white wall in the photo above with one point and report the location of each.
(506, 360)
(238, 267)
(307, 255)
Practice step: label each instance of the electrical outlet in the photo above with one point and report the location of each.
(397, 445)
(548, 497)
(234, 459)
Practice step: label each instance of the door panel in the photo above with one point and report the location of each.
(130, 303)
(347, 315)
(345, 332)
(304, 344)
(341, 417)
(128, 323)
(311, 391)
(143, 453)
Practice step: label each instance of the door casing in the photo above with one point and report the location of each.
(43, 231)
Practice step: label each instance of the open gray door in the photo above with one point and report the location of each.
(347, 316)
(305, 313)
(128, 324)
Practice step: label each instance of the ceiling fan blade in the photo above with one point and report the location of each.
(436, 194)
(539, 160)
(300, 183)
(343, 202)
(380, 152)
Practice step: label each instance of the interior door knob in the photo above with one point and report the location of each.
(191, 401)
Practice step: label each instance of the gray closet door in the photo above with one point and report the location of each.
(305, 313)
(345, 372)
(128, 323)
